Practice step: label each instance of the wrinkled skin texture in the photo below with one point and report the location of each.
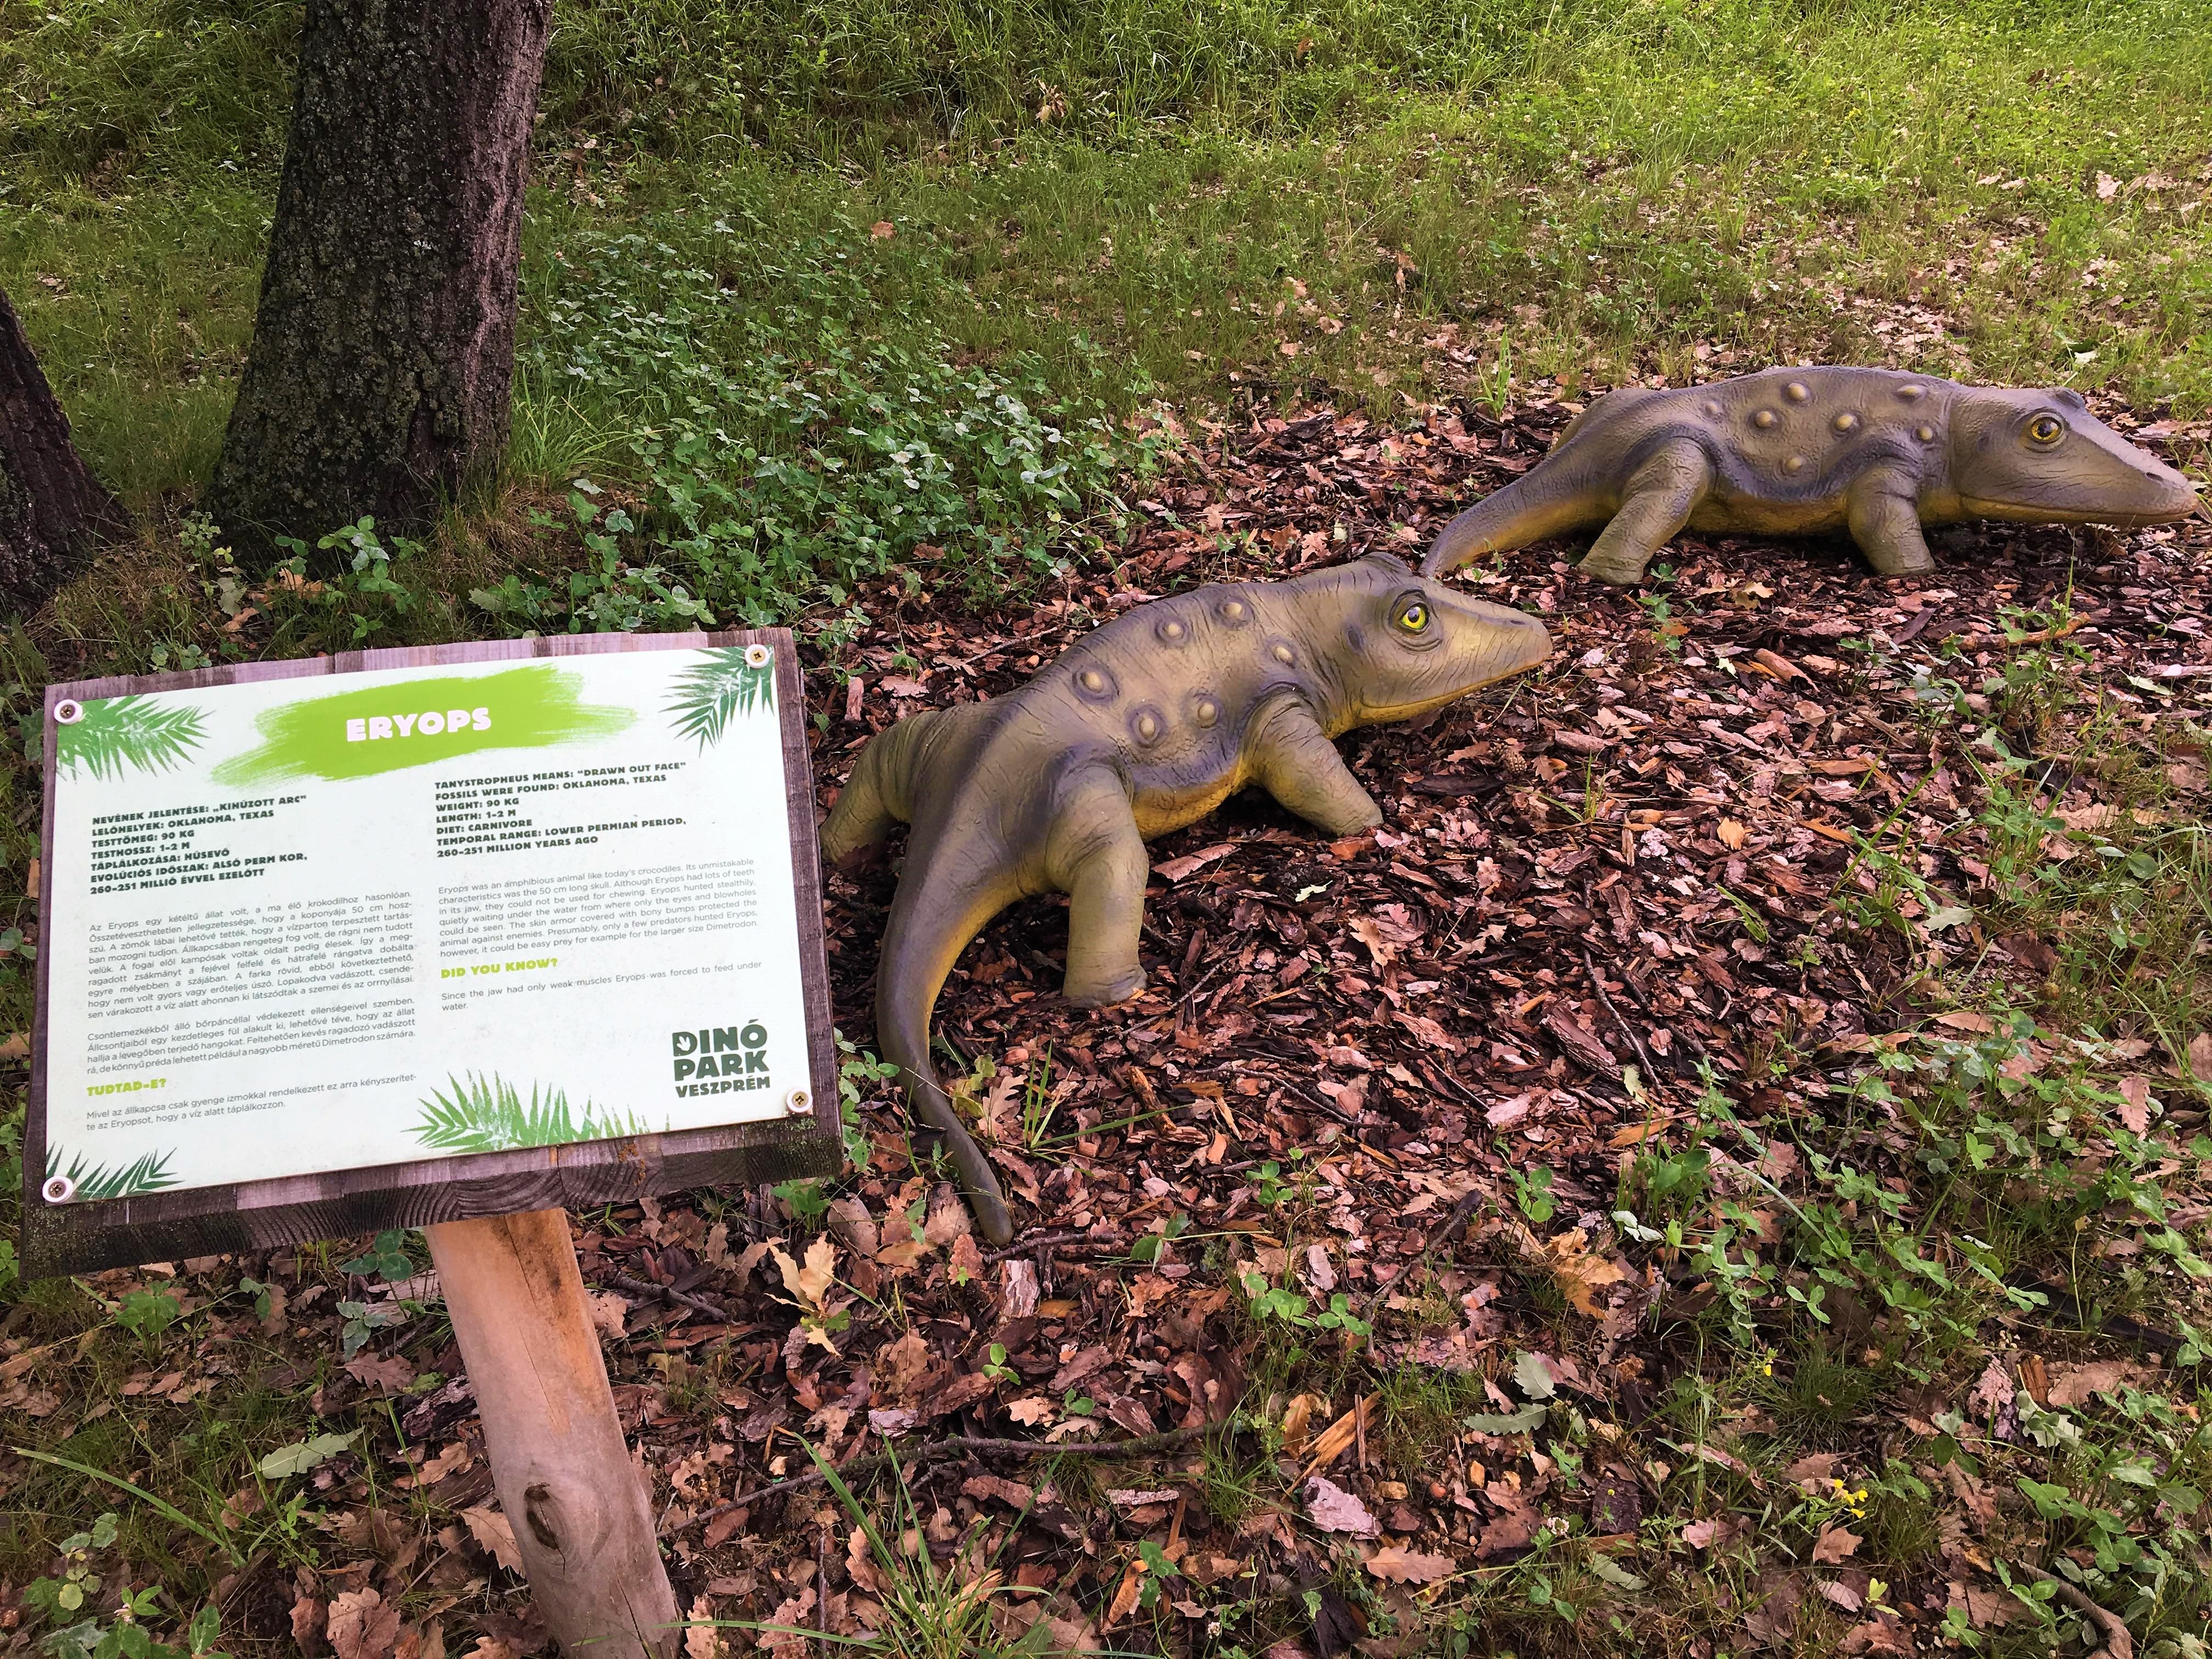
(1794, 451)
(1146, 725)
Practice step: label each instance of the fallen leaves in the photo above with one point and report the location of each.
(1835, 1544)
(809, 1286)
(1331, 1509)
(1402, 1566)
(494, 1536)
(362, 1625)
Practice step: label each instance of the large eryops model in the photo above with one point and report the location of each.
(1145, 726)
(1790, 451)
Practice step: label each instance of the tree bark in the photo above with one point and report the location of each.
(565, 1479)
(52, 510)
(382, 365)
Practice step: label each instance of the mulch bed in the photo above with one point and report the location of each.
(1594, 886)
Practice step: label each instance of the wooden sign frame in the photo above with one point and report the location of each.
(84, 1236)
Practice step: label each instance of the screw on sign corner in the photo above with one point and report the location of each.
(58, 1190)
(797, 1103)
(68, 711)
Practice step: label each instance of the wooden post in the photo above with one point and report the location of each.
(565, 1478)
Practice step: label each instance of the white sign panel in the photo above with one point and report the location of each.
(339, 922)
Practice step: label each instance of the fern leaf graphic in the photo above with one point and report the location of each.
(148, 1173)
(734, 680)
(490, 1115)
(113, 733)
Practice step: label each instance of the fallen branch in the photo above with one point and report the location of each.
(1597, 984)
(958, 1446)
(1046, 1241)
(646, 1291)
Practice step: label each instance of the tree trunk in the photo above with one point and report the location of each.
(51, 508)
(383, 359)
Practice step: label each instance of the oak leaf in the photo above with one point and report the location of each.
(701, 1639)
(361, 1626)
(493, 1532)
(1406, 1567)
(1833, 1546)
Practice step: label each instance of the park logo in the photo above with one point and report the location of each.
(734, 1056)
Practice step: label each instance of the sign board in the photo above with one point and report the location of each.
(401, 937)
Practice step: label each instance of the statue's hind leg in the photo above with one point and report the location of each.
(1661, 495)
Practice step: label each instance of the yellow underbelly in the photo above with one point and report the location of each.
(1159, 811)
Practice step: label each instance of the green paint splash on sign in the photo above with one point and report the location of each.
(389, 728)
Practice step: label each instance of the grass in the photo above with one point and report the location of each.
(1411, 195)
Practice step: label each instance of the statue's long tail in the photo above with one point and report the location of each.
(935, 916)
(1526, 510)
(950, 889)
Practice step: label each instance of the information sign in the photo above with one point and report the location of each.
(401, 937)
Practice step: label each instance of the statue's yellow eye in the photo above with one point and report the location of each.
(2045, 430)
(1413, 617)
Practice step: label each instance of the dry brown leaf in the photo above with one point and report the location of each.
(308, 1617)
(1580, 1273)
(948, 1218)
(1994, 1390)
(1813, 1468)
(1405, 1567)
(1514, 1525)
(1335, 1510)
(361, 1626)
(1965, 1019)
(1835, 1544)
(609, 1313)
(1191, 863)
(790, 1637)
(860, 1563)
(701, 1639)
(1125, 1595)
(2072, 1385)
(2136, 1103)
(384, 1376)
(495, 1536)
(2200, 1056)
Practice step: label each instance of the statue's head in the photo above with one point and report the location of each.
(2039, 457)
(1407, 643)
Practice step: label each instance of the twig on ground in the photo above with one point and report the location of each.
(645, 1290)
(1452, 1223)
(821, 1590)
(1597, 984)
(1046, 1241)
(958, 1446)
